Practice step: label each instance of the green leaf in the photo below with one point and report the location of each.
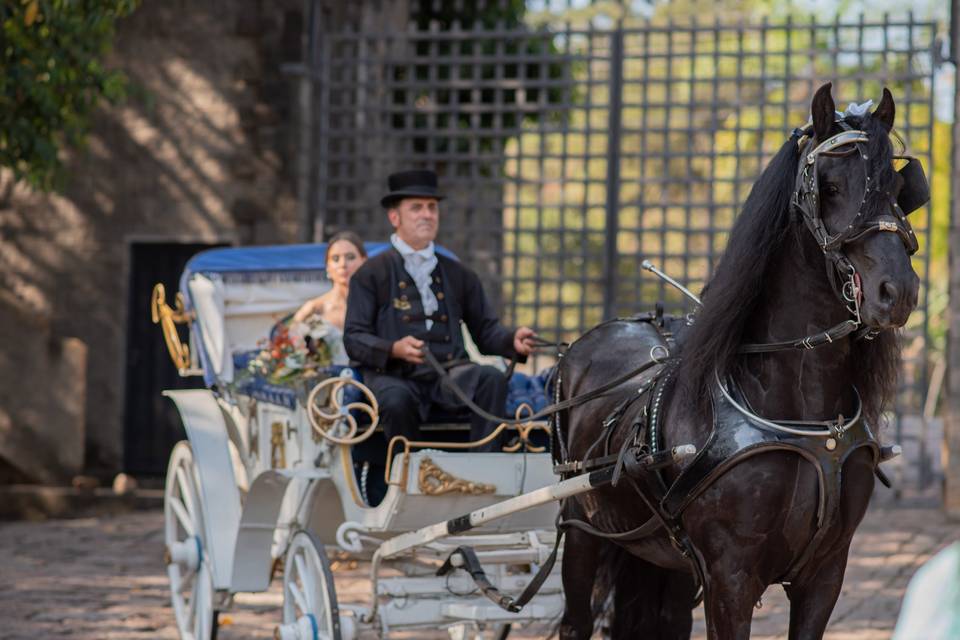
(54, 77)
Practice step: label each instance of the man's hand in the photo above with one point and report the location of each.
(523, 341)
(409, 349)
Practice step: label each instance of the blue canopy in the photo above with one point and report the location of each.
(287, 257)
(268, 262)
(290, 257)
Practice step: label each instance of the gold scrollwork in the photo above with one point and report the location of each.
(523, 431)
(434, 481)
(278, 448)
(169, 317)
(326, 414)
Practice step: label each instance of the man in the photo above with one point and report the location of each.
(411, 298)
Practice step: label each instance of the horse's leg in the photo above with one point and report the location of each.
(729, 599)
(676, 606)
(814, 594)
(733, 568)
(581, 560)
(651, 602)
(812, 601)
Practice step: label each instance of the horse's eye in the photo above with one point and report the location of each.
(830, 189)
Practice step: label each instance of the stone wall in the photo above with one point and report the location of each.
(200, 152)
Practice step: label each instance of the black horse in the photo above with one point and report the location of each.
(807, 254)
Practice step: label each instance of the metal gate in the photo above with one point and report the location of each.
(571, 152)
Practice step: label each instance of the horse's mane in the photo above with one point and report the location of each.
(733, 292)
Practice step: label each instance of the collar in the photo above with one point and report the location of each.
(407, 251)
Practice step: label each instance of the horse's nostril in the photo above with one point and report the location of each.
(888, 293)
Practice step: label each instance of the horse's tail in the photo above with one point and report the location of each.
(612, 559)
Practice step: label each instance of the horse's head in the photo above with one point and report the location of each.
(855, 203)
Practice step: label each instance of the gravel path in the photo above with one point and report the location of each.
(104, 578)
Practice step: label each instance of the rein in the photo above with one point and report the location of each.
(546, 411)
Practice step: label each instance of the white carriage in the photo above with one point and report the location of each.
(265, 483)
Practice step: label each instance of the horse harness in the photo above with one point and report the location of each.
(843, 276)
(737, 434)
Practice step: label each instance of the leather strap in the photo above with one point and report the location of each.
(832, 334)
(648, 528)
(472, 565)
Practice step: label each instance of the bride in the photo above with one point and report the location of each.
(324, 315)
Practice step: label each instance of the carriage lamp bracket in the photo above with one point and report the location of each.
(168, 318)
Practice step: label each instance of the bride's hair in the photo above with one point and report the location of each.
(350, 237)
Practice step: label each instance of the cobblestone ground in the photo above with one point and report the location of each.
(104, 578)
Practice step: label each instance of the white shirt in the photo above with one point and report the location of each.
(420, 265)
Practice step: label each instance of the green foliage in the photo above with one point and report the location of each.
(51, 56)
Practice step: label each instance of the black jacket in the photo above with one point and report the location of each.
(384, 306)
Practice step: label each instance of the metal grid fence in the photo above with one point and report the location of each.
(570, 153)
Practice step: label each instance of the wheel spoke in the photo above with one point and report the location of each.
(298, 598)
(186, 492)
(305, 577)
(191, 608)
(200, 597)
(187, 582)
(182, 516)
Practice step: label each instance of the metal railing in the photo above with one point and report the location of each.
(572, 151)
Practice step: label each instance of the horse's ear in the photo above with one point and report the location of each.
(824, 112)
(885, 111)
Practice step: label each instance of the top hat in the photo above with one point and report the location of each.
(418, 183)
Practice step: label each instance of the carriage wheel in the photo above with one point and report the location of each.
(188, 563)
(310, 609)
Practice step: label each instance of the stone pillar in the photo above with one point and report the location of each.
(42, 403)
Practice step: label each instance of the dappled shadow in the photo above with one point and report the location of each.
(104, 577)
(188, 158)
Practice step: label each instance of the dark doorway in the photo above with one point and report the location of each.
(151, 425)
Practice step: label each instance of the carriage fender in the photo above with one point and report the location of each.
(252, 558)
(207, 433)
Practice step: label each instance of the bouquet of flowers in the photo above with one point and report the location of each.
(294, 351)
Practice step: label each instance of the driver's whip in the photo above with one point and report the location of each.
(649, 266)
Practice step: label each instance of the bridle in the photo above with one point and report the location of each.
(843, 276)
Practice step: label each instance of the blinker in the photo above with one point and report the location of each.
(915, 191)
